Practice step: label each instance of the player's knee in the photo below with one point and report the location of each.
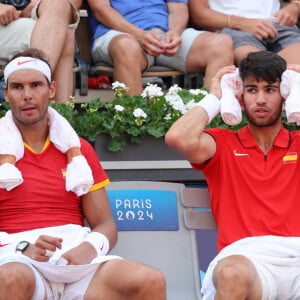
(234, 275)
(17, 276)
(151, 281)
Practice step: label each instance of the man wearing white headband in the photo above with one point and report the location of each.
(46, 252)
(48, 25)
(24, 63)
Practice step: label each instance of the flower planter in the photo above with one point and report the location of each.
(150, 149)
(150, 160)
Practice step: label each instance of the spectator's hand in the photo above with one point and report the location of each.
(288, 15)
(8, 14)
(262, 29)
(152, 43)
(294, 67)
(26, 12)
(215, 87)
(173, 43)
(80, 255)
(37, 251)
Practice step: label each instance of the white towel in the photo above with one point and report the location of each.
(62, 134)
(10, 143)
(276, 250)
(79, 177)
(10, 138)
(10, 176)
(290, 91)
(231, 87)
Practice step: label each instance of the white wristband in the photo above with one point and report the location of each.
(99, 241)
(211, 104)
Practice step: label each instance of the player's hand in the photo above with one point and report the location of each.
(43, 248)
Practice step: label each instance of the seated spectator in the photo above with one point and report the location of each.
(48, 25)
(253, 25)
(134, 35)
(46, 251)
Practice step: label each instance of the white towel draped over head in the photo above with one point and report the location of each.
(290, 91)
(231, 87)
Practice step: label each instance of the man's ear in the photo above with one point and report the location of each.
(5, 92)
(52, 89)
(241, 101)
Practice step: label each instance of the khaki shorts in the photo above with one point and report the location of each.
(100, 51)
(16, 35)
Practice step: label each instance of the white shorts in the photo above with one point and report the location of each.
(100, 51)
(276, 260)
(16, 35)
(66, 282)
(79, 277)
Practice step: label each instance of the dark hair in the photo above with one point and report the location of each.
(30, 52)
(264, 65)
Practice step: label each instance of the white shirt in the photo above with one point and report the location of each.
(246, 8)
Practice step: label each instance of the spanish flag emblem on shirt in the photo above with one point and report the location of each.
(290, 158)
(64, 172)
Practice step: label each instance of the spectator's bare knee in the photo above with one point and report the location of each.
(56, 8)
(124, 49)
(219, 43)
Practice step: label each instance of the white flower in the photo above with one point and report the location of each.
(175, 101)
(139, 113)
(167, 117)
(198, 91)
(119, 107)
(174, 89)
(118, 84)
(151, 91)
(171, 98)
(178, 105)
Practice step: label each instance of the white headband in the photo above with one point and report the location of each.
(21, 63)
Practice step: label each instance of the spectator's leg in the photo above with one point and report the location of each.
(17, 281)
(129, 61)
(209, 52)
(242, 51)
(123, 279)
(51, 35)
(291, 53)
(63, 73)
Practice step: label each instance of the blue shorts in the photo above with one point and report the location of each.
(286, 36)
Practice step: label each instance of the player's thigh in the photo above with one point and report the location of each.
(124, 275)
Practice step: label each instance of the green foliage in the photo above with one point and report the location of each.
(129, 119)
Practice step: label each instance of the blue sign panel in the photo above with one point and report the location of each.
(144, 209)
